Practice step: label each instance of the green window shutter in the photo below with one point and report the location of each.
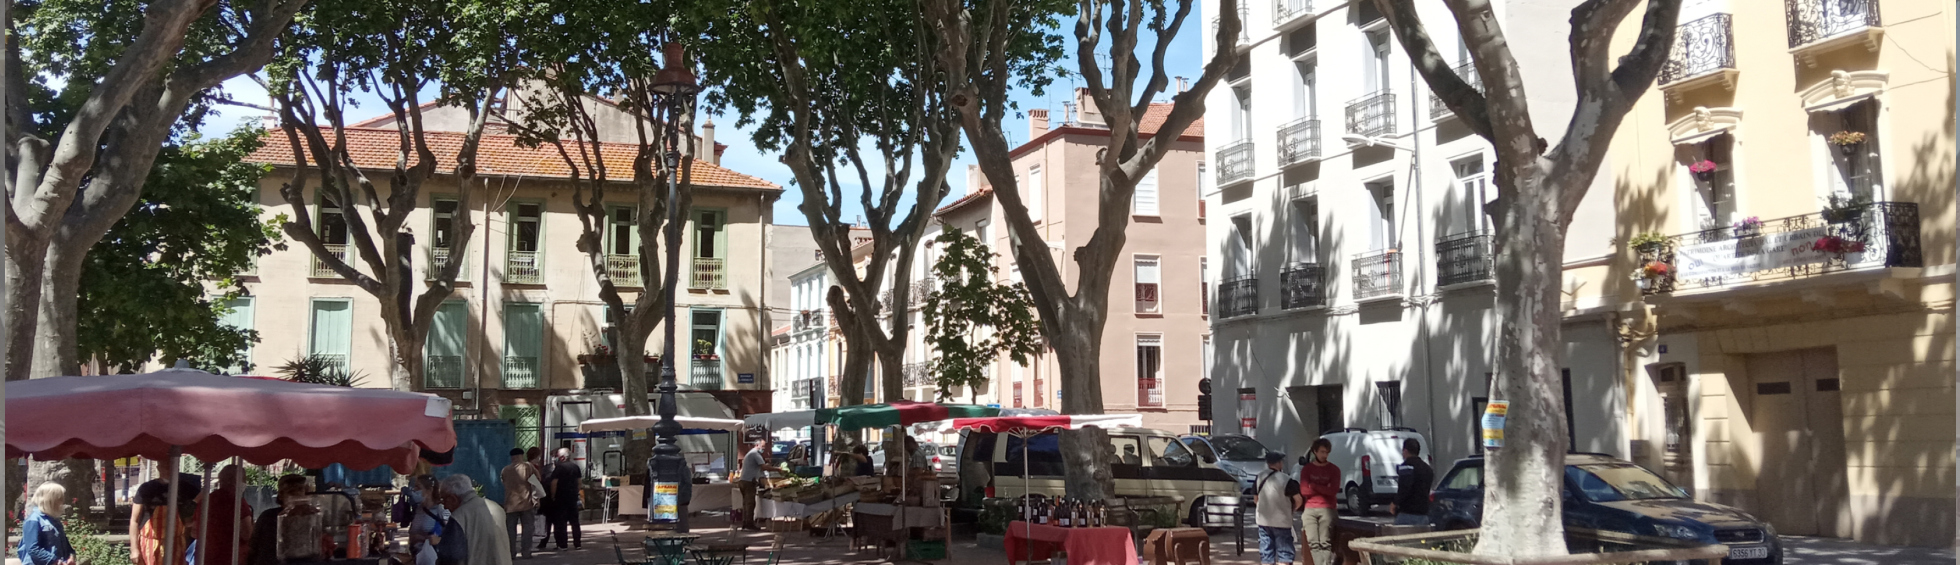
(523, 345)
(240, 317)
(333, 330)
(447, 345)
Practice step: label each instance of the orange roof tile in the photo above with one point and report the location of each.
(498, 154)
(1154, 119)
(964, 200)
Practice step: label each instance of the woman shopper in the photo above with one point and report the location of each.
(43, 540)
(1320, 484)
(150, 528)
(218, 504)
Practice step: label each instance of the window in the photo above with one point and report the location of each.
(982, 232)
(524, 260)
(443, 353)
(1375, 70)
(331, 224)
(1145, 201)
(1041, 456)
(1150, 370)
(1017, 386)
(442, 217)
(1468, 477)
(1034, 195)
(523, 345)
(1305, 97)
(238, 315)
(1203, 184)
(1391, 393)
(1466, 206)
(1241, 114)
(1856, 167)
(1206, 359)
(333, 331)
(1381, 217)
(710, 250)
(622, 233)
(1170, 453)
(1204, 286)
(705, 343)
(1128, 450)
(1148, 282)
(1305, 226)
(1238, 258)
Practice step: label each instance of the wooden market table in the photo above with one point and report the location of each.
(1084, 546)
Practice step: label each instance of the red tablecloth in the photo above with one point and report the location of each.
(1085, 546)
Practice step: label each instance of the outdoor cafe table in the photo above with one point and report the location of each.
(1085, 546)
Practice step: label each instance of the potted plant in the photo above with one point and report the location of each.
(1847, 142)
(1704, 170)
(704, 349)
(1748, 227)
(601, 354)
(1836, 245)
(1649, 272)
(1843, 208)
(1649, 242)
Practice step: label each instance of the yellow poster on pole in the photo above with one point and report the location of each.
(1493, 423)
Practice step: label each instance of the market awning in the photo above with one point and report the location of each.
(689, 424)
(1039, 424)
(783, 420)
(215, 417)
(901, 413)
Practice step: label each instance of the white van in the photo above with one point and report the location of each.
(1367, 460)
(1148, 463)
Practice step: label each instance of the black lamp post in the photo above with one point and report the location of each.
(675, 86)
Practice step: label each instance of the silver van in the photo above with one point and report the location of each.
(1147, 463)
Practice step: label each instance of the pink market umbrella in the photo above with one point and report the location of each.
(1029, 426)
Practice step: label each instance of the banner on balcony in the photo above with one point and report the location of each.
(1741, 256)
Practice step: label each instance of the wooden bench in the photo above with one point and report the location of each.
(1178, 545)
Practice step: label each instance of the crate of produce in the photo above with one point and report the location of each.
(926, 550)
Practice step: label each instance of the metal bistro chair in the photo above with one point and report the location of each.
(621, 553)
(668, 550)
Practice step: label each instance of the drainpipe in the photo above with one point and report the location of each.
(1956, 271)
(1422, 259)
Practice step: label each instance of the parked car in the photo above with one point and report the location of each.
(1237, 454)
(1367, 460)
(780, 450)
(1607, 493)
(1147, 463)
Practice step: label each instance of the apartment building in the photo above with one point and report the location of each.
(526, 307)
(1798, 361)
(1352, 257)
(1156, 342)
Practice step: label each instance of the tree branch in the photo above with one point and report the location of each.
(1606, 97)
(1468, 104)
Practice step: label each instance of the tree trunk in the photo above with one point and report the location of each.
(1087, 452)
(54, 339)
(75, 475)
(1522, 507)
(857, 367)
(630, 355)
(26, 261)
(891, 363)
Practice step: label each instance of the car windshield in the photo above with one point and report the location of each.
(1239, 449)
(1609, 482)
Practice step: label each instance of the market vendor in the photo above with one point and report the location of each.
(265, 531)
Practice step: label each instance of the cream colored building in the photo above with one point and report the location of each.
(1156, 341)
(527, 305)
(1799, 366)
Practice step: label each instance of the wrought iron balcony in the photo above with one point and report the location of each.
(706, 374)
(337, 362)
(1372, 115)
(439, 260)
(1878, 235)
(1150, 393)
(1245, 27)
(1299, 141)
(1377, 274)
(442, 371)
(1463, 258)
(915, 375)
(1235, 162)
(624, 270)
(1303, 285)
(524, 267)
(1238, 297)
(320, 268)
(521, 372)
(708, 274)
(1701, 47)
(1466, 71)
(1814, 21)
(1284, 10)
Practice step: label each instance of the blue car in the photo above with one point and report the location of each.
(1610, 494)
(1239, 455)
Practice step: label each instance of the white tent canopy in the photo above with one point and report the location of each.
(690, 423)
(782, 420)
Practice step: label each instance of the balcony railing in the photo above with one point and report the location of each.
(1466, 71)
(706, 374)
(1299, 141)
(1463, 258)
(439, 260)
(443, 371)
(320, 268)
(624, 270)
(1377, 274)
(1702, 46)
(1302, 285)
(1284, 10)
(1245, 27)
(1150, 392)
(523, 267)
(1372, 115)
(1238, 297)
(521, 372)
(1812, 21)
(1883, 234)
(1235, 162)
(915, 375)
(708, 274)
(337, 362)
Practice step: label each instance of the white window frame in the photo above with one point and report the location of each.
(1034, 193)
(1154, 383)
(1144, 202)
(1148, 270)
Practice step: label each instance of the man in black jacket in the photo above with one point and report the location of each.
(1413, 479)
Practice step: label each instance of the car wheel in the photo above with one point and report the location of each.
(1355, 503)
(1196, 517)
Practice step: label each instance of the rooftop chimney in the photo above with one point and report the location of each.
(1037, 122)
(1182, 85)
(708, 141)
(1088, 112)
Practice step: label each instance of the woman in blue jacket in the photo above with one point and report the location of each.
(43, 541)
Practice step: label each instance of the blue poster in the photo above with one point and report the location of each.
(666, 502)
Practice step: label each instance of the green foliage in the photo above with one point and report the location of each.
(1648, 239)
(90, 546)
(320, 370)
(995, 514)
(971, 319)
(67, 46)
(143, 287)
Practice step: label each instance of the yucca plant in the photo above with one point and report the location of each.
(320, 370)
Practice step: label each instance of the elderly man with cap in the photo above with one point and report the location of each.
(1277, 498)
(482, 521)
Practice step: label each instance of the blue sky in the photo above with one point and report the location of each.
(1183, 59)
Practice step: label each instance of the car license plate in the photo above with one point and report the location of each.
(1748, 552)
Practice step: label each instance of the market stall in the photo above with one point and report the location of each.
(712, 495)
(1025, 528)
(167, 414)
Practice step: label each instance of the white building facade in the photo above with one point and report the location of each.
(1352, 266)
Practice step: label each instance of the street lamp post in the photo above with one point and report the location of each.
(676, 87)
